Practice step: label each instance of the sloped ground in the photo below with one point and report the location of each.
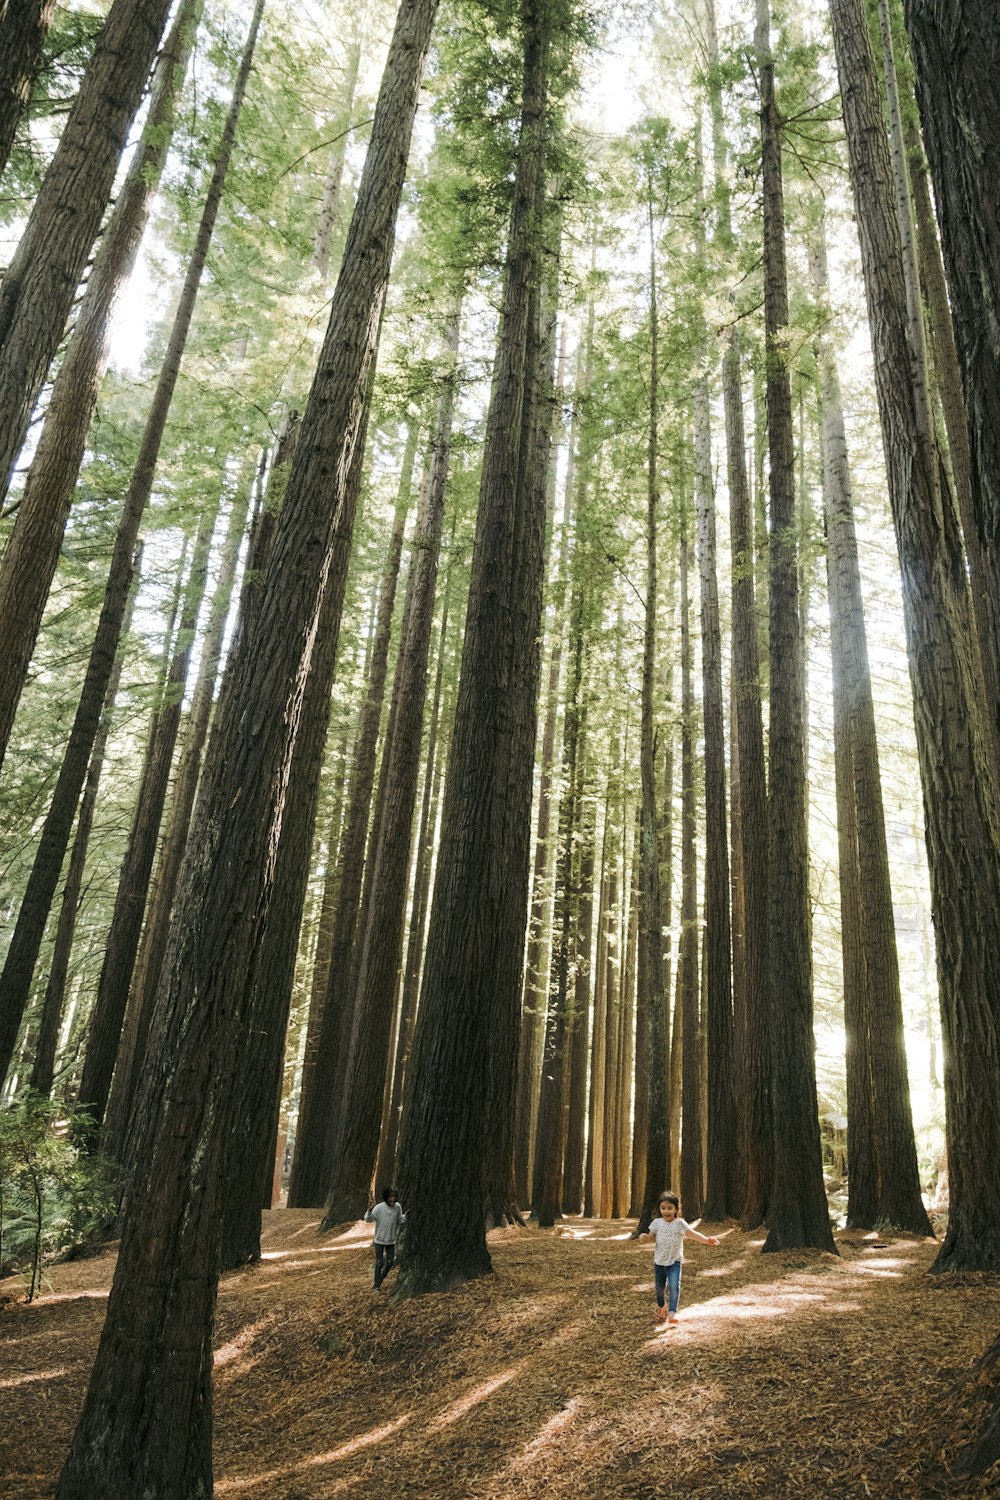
(789, 1375)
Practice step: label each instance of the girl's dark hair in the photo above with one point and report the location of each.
(669, 1198)
(387, 1193)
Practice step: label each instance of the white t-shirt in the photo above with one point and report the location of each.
(669, 1240)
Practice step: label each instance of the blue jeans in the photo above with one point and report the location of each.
(385, 1256)
(668, 1278)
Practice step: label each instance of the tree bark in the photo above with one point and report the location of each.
(133, 883)
(32, 554)
(154, 938)
(956, 55)
(871, 966)
(382, 940)
(40, 283)
(162, 1300)
(322, 1085)
(466, 1034)
(24, 25)
(26, 941)
(43, 1070)
(651, 1000)
(797, 1212)
(753, 1023)
(692, 1187)
(960, 813)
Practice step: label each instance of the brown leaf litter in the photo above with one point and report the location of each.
(799, 1374)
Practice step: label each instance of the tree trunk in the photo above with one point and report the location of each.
(691, 1185)
(753, 1024)
(871, 966)
(24, 25)
(722, 1199)
(341, 125)
(421, 894)
(466, 1033)
(32, 554)
(963, 841)
(797, 1211)
(55, 990)
(133, 882)
(26, 941)
(323, 1083)
(248, 1184)
(382, 940)
(154, 938)
(40, 283)
(576, 1112)
(651, 999)
(551, 1135)
(956, 55)
(162, 1300)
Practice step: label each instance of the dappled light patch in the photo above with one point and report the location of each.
(316, 1461)
(29, 1377)
(465, 1404)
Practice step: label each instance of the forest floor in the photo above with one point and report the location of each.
(799, 1374)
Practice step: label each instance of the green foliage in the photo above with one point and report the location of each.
(51, 1194)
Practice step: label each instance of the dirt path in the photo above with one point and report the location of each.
(790, 1375)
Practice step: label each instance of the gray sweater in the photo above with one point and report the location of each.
(387, 1221)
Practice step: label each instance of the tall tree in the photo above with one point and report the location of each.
(133, 882)
(26, 941)
(326, 1068)
(382, 939)
(652, 1000)
(881, 1124)
(40, 283)
(162, 1299)
(797, 1211)
(24, 25)
(692, 1187)
(32, 554)
(956, 54)
(961, 820)
(467, 1023)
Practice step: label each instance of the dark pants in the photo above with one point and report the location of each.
(668, 1277)
(385, 1256)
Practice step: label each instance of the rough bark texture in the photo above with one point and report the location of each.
(149, 960)
(133, 882)
(153, 1369)
(382, 939)
(30, 558)
(24, 25)
(429, 807)
(326, 1068)
(797, 1212)
(39, 285)
(576, 1109)
(652, 1002)
(467, 1027)
(55, 990)
(872, 998)
(341, 126)
(26, 941)
(722, 1196)
(959, 808)
(753, 1021)
(692, 1186)
(956, 54)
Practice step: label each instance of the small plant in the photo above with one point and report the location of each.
(51, 1194)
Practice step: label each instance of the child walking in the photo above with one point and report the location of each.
(669, 1232)
(387, 1216)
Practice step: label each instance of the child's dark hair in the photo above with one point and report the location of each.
(387, 1193)
(669, 1198)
